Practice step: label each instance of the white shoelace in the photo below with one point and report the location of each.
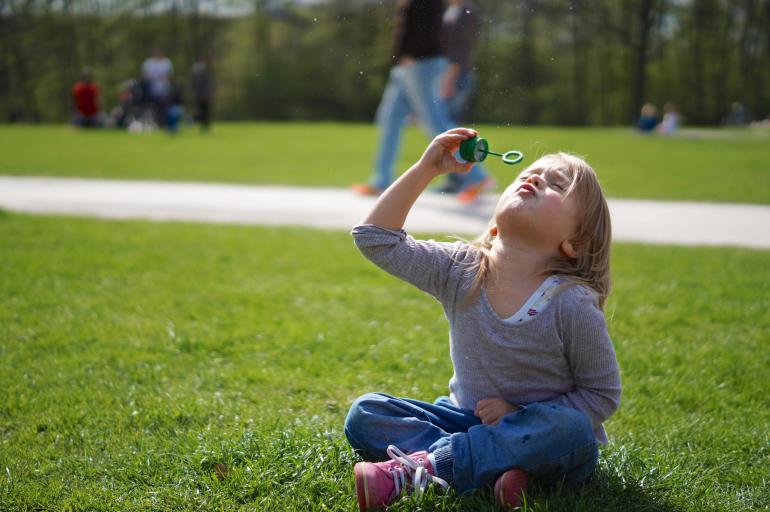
(410, 468)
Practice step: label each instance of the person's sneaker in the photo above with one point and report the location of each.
(472, 192)
(452, 184)
(365, 189)
(378, 484)
(510, 487)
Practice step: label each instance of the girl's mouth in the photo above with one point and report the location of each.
(528, 188)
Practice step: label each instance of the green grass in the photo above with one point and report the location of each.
(713, 165)
(135, 357)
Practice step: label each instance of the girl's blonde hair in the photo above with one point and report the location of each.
(592, 239)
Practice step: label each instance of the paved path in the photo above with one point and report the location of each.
(664, 222)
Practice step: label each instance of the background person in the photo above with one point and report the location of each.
(156, 75)
(670, 122)
(413, 87)
(459, 81)
(535, 372)
(129, 104)
(202, 85)
(737, 116)
(459, 24)
(648, 118)
(86, 96)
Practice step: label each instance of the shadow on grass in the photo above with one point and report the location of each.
(592, 497)
(605, 492)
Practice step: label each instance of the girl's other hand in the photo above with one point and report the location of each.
(492, 410)
(440, 154)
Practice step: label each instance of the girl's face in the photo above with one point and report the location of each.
(535, 207)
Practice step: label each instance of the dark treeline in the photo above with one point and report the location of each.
(578, 62)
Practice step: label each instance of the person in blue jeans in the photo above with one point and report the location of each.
(535, 372)
(459, 82)
(413, 87)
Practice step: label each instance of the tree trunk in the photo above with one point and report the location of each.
(699, 29)
(528, 66)
(644, 17)
(579, 65)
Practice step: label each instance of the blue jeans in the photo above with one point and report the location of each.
(412, 88)
(550, 442)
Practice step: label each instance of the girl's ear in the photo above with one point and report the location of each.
(568, 249)
(493, 230)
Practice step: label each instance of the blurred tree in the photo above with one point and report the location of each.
(580, 81)
(754, 23)
(545, 61)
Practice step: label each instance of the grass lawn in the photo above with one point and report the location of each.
(711, 165)
(136, 357)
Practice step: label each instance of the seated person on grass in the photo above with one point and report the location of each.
(86, 95)
(535, 372)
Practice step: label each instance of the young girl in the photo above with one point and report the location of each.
(535, 373)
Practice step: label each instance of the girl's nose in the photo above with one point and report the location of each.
(535, 180)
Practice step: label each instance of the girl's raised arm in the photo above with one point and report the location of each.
(394, 204)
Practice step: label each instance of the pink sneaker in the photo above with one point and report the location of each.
(378, 484)
(510, 487)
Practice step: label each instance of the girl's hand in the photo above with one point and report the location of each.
(440, 158)
(492, 410)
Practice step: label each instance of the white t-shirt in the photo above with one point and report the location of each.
(158, 71)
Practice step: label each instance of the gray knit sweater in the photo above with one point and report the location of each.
(564, 355)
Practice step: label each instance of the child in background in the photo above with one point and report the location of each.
(670, 122)
(535, 373)
(648, 118)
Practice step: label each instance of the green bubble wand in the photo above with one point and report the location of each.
(477, 149)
